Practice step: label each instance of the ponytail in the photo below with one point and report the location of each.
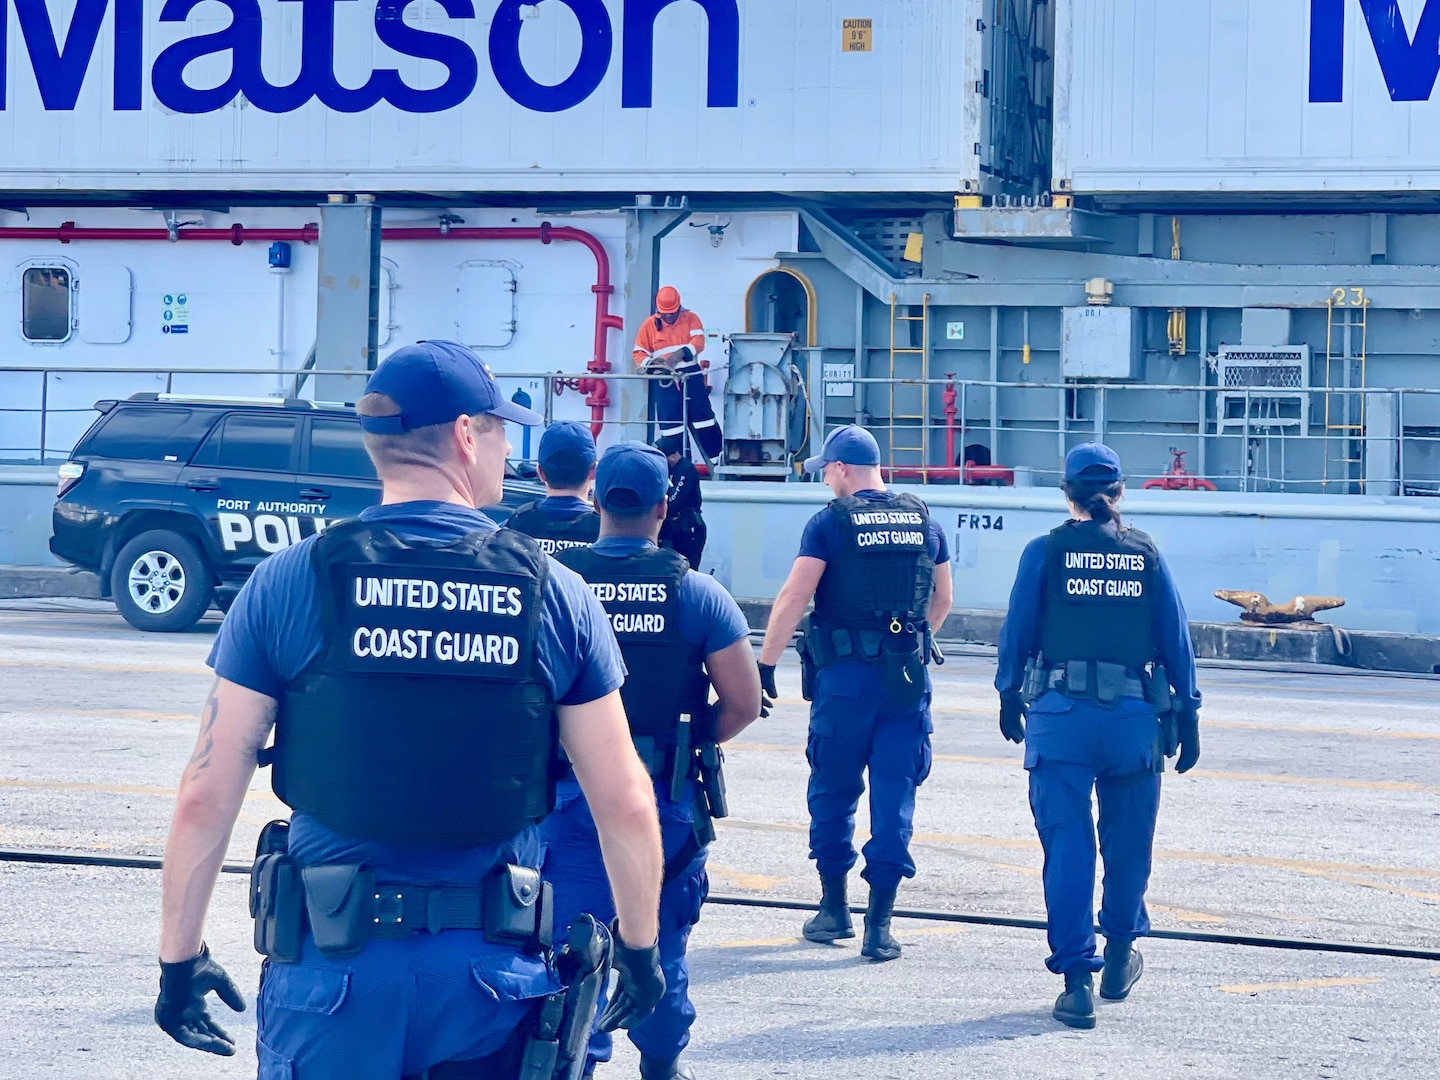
(1096, 499)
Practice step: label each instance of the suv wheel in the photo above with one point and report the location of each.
(161, 582)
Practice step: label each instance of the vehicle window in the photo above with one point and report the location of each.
(45, 298)
(336, 449)
(256, 442)
(144, 433)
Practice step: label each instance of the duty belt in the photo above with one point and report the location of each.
(1093, 678)
(402, 910)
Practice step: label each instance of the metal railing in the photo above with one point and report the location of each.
(55, 405)
(1236, 438)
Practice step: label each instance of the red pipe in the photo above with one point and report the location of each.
(597, 390)
(948, 397)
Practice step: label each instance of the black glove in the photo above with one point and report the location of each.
(1012, 717)
(639, 987)
(768, 693)
(180, 1009)
(1189, 730)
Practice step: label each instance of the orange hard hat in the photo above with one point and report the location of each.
(667, 300)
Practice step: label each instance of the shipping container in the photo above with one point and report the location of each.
(416, 95)
(1247, 96)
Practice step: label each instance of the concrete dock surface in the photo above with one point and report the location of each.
(1314, 813)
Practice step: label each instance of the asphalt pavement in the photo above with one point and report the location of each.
(1313, 814)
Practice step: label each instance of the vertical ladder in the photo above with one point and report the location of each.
(1344, 410)
(915, 437)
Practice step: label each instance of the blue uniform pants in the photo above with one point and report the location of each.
(574, 869)
(1071, 749)
(395, 1009)
(857, 727)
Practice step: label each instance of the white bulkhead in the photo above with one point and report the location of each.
(1247, 96)
(140, 304)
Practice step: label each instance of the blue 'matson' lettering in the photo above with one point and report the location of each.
(60, 66)
(1410, 66)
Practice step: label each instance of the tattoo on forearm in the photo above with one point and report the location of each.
(205, 743)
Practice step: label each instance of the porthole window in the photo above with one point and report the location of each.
(46, 298)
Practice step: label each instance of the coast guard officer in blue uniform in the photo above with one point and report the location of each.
(1094, 607)
(681, 633)
(564, 518)
(879, 570)
(414, 664)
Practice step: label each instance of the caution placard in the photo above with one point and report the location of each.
(857, 35)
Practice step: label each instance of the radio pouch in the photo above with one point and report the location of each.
(340, 901)
(1110, 680)
(904, 667)
(518, 908)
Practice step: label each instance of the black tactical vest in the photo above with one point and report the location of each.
(1100, 593)
(641, 596)
(425, 720)
(552, 533)
(882, 568)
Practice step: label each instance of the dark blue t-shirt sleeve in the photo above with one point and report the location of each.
(709, 616)
(1020, 633)
(272, 630)
(816, 540)
(578, 651)
(935, 542)
(1172, 635)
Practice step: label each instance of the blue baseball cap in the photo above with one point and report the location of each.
(631, 476)
(433, 382)
(568, 442)
(851, 444)
(1093, 461)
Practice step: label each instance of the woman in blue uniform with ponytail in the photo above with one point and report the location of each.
(1095, 654)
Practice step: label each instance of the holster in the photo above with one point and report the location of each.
(712, 779)
(1158, 693)
(556, 1046)
(277, 898)
(808, 668)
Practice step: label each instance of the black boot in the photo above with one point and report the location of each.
(1123, 966)
(1076, 1006)
(879, 945)
(832, 921)
(664, 1069)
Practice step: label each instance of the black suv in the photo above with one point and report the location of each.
(174, 500)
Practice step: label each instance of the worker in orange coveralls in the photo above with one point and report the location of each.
(672, 340)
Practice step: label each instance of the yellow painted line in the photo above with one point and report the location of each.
(761, 943)
(126, 714)
(1302, 866)
(1359, 733)
(743, 880)
(152, 669)
(119, 789)
(929, 931)
(1186, 915)
(1323, 781)
(1208, 774)
(1435, 971)
(1300, 984)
